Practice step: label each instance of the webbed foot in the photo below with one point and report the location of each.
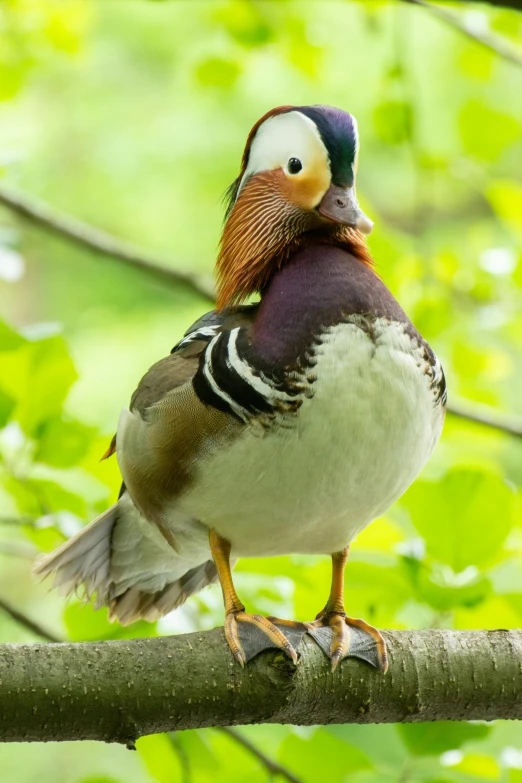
(341, 637)
(249, 634)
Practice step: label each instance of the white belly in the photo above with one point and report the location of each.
(352, 450)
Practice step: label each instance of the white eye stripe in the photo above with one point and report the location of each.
(282, 137)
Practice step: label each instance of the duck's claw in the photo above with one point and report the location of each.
(346, 637)
(249, 634)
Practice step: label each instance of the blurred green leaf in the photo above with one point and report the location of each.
(39, 377)
(53, 497)
(302, 53)
(505, 196)
(10, 340)
(197, 750)
(322, 755)
(374, 586)
(479, 765)
(382, 744)
(218, 72)
(393, 121)
(245, 23)
(485, 132)
(160, 758)
(437, 588)
(85, 623)
(464, 518)
(22, 495)
(7, 406)
(514, 600)
(101, 779)
(476, 61)
(62, 443)
(433, 739)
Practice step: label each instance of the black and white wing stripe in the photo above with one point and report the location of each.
(228, 381)
(206, 333)
(212, 323)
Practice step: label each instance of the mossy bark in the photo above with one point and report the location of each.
(117, 691)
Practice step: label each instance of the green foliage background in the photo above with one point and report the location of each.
(132, 116)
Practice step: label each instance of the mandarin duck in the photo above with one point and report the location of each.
(280, 427)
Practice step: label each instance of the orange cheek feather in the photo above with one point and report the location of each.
(306, 190)
(257, 231)
(266, 225)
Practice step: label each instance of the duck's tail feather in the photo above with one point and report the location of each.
(122, 561)
(83, 560)
(135, 604)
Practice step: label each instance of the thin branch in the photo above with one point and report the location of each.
(516, 5)
(26, 622)
(72, 229)
(488, 417)
(272, 767)
(492, 42)
(183, 757)
(19, 521)
(120, 690)
(18, 549)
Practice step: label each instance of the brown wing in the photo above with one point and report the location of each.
(165, 375)
(182, 364)
(162, 377)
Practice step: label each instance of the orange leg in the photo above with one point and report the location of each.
(259, 632)
(350, 636)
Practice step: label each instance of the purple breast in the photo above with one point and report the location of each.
(320, 286)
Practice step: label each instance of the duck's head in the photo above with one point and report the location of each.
(296, 184)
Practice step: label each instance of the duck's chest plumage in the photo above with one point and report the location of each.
(357, 407)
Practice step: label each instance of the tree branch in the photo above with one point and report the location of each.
(117, 691)
(273, 767)
(492, 42)
(72, 229)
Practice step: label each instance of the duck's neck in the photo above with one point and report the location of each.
(318, 287)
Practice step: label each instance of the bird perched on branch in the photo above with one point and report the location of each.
(280, 427)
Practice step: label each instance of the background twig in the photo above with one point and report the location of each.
(488, 417)
(514, 4)
(272, 766)
(491, 41)
(18, 549)
(41, 214)
(26, 622)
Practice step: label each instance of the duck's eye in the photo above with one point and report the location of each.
(294, 166)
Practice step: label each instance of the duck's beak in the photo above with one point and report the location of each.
(340, 205)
